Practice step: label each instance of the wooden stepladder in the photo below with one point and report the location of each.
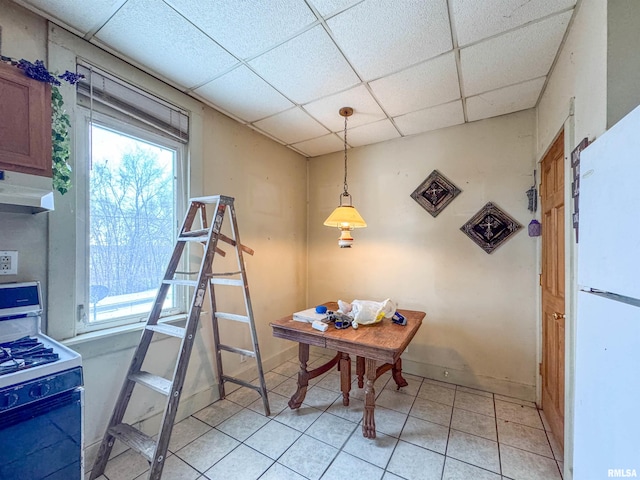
(155, 451)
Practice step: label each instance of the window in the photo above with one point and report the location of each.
(129, 210)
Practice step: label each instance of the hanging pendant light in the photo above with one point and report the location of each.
(345, 217)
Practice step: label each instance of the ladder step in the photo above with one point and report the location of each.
(135, 439)
(204, 232)
(240, 351)
(165, 329)
(209, 199)
(228, 281)
(154, 382)
(226, 378)
(201, 239)
(232, 316)
(188, 283)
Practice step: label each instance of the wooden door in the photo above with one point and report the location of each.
(552, 193)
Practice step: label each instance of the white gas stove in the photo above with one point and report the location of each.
(25, 352)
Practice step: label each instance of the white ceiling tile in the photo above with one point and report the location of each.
(431, 118)
(504, 100)
(371, 133)
(247, 27)
(478, 19)
(243, 94)
(365, 109)
(320, 146)
(431, 83)
(522, 54)
(292, 126)
(380, 37)
(75, 12)
(327, 7)
(153, 34)
(307, 67)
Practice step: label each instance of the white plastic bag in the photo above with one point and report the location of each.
(366, 312)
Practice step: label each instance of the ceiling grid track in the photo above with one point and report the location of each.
(456, 52)
(249, 50)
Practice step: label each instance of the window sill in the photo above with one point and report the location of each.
(92, 344)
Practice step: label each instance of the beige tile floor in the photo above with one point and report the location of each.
(429, 430)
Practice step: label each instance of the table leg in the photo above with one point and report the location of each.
(396, 373)
(360, 371)
(368, 421)
(303, 377)
(345, 377)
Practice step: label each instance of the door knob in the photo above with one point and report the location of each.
(557, 316)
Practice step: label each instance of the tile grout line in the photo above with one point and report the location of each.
(495, 412)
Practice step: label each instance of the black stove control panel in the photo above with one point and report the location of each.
(39, 388)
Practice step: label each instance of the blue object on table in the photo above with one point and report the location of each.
(399, 319)
(321, 309)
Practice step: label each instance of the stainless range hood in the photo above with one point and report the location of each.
(22, 193)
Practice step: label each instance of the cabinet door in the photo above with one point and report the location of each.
(25, 123)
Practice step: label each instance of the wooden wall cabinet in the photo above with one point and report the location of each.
(25, 123)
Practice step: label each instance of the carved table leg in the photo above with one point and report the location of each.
(345, 377)
(368, 421)
(396, 373)
(303, 377)
(360, 371)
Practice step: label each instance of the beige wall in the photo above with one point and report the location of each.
(24, 35)
(481, 315)
(623, 61)
(580, 73)
(269, 184)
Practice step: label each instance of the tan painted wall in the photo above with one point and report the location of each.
(24, 35)
(480, 324)
(269, 183)
(580, 73)
(623, 61)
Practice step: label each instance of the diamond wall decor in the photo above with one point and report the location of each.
(435, 193)
(490, 227)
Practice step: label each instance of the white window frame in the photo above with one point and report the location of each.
(84, 117)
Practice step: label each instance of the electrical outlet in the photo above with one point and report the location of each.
(8, 262)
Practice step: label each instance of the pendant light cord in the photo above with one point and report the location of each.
(346, 193)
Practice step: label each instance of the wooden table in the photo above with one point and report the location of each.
(382, 342)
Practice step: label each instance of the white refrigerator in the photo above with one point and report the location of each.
(607, 376)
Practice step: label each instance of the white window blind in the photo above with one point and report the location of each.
(103, 92)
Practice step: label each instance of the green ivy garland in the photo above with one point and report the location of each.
(60, 149)
(60, 121)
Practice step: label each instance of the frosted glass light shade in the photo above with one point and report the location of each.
(345, 216)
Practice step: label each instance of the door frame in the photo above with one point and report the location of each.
(571, 291)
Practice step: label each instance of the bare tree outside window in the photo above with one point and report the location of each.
(132, 223)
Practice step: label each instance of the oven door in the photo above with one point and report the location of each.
(43, 440)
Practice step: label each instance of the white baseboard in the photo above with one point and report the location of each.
(469, 379)
(189, 405)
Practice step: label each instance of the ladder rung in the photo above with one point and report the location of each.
(201, 239)
(209, 199)
(232, 316)
(135, 439)
(154, 382)
(228, 281)
(237, 350)
(226, 378)
(204, 232)
(179, 281)
(165, 329)
(225, 274)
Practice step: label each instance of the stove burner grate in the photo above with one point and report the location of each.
(23, 353)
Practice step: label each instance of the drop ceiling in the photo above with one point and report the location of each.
(285, 67)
